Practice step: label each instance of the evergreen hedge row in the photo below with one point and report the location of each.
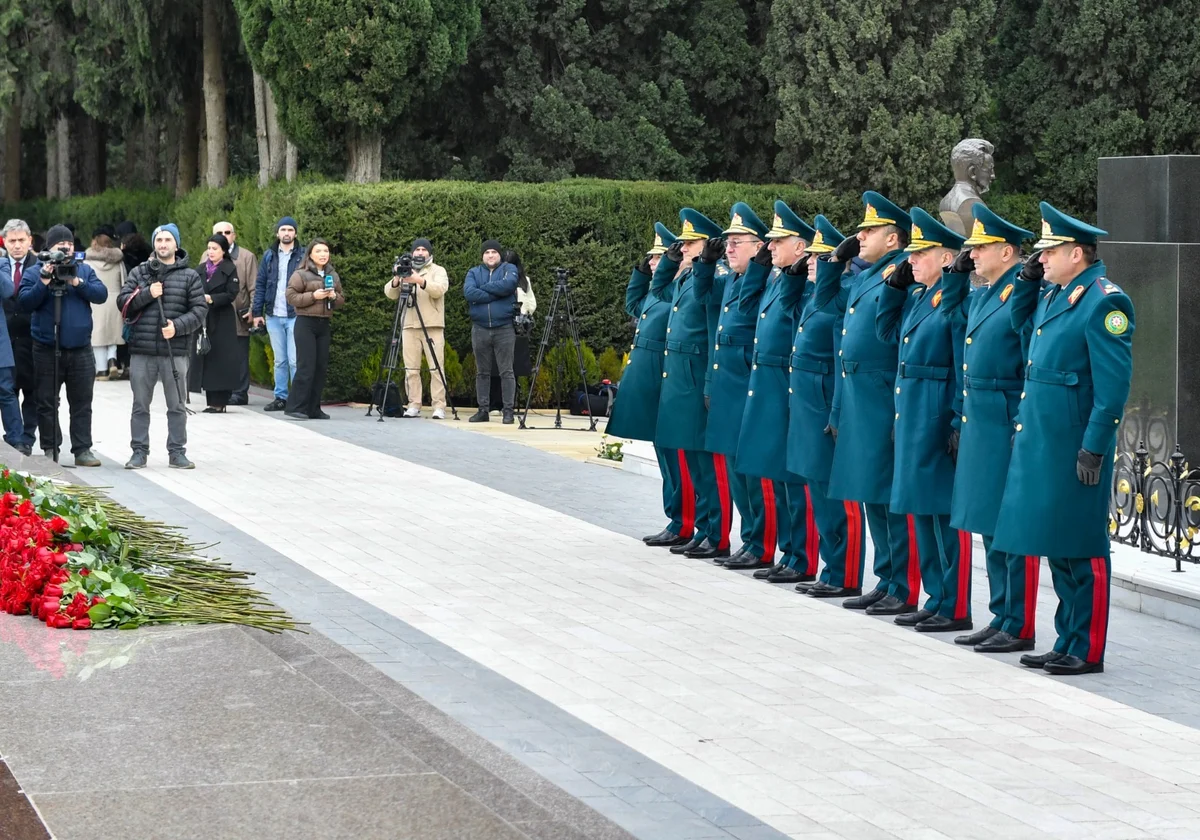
(596, 229)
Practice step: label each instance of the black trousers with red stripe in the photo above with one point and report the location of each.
(1083, 585)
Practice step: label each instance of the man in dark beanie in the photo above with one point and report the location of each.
(63, 344)
(431, 284)
(270, 306)
(491, 290)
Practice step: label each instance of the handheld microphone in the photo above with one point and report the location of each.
(328, 287)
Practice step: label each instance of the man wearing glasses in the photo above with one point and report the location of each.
(247, 272)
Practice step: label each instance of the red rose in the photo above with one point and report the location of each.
(85, 571)
(60, 621)
(53, 591)
(99, 599)
(81, 623)
(58, 525)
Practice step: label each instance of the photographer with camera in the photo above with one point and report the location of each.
(418, 273)
(59, 293)
(491, 290)
(162, 303)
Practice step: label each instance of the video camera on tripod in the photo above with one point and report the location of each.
(63, 265)
(403, 268)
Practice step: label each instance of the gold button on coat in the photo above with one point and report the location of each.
(968, 341)
(714, 367)
(1019, 427)
(851, 310)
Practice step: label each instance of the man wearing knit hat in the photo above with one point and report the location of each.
(431, 284)
(491, 290)
(270, 305)
(61, 326)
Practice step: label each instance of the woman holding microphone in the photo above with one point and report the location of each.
(314, 291)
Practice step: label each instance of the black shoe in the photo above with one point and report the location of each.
(685, 547)
(136, 461)
(508, 417)
(912, 619)
(215, 409)
(480, 416)
(806, 585)
(978, 637)
(275, 405)
(1003, 642)
(790, 575)
(763, 574)
(1039, 660)
(179, 461)
(722, 559)
(890, 605)
(296, 415)
(944, 624)
(24, 449)
(664, 537)
(1073, 666)
(747, 560)
(864, 601)
(707, 550)
(49, 453)
(320, 415)
(826, 590)
(239, 399)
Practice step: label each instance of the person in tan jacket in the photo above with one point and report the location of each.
(431, 284)
(314, 300)
(247, 272)
(107, 260)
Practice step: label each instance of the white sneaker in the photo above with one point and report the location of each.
(439, 414)
(412, 411)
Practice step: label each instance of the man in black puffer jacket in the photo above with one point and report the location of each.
(163, 303)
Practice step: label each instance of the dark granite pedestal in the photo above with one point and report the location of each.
(1150, 207)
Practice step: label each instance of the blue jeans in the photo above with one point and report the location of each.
(283, 346)
(10, 409)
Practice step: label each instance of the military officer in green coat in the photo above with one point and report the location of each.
(994, 353)
(928, 408)
(762, 442)
(1077, 378)
(635, 412)
(813, 382)
(732, 290)
(682, 415)
(864, 407)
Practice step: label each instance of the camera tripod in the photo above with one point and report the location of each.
(561, 311)
(393, 354)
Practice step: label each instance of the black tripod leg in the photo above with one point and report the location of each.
(395, 353)
(386, 352)
(546, 331)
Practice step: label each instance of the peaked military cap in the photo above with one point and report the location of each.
(989, 228)
(827, 237)
(744, 220)
(787, 223)
(928, 232)
(663, 239)
(695, 225)
(1058, 229)
(880, 212)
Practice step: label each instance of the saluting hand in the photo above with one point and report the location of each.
(1087, 468)
(963, 264)
(847, 249)
(902, 277)
(675, 252)
(644, 265)
(1033, 270)
(763, 257)
(799, 268)
(714, 249)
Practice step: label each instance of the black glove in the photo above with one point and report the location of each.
(714, 249)
(799, 269)
(831, 431)
(1033, 270)
(952, 445)
(1087, 468)
(675, 252)
(963, 264)
(847, 249)
(707, 402)
(644, 265)
(902, 277)
(763, 257)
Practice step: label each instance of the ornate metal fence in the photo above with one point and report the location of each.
(1156, 505)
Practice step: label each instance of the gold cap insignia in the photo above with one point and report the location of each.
(1006, 291)
(916, 233)
(872, 215)
(737, 220)
(818, 239)
(658, 243)
(1076, 295)
(937, 298)
(778, 223)
(688, 227)
(978, 229)
(1046, 229)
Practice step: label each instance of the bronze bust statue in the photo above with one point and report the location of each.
(974, 168)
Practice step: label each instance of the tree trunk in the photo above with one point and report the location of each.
(88, 161)
(276, 140)
(12, 152)
(217, 169)
(62, 130)
(365, 150)
(293, 161)
(185, 180)
(169, 142)
(51, 164)
(260, 131)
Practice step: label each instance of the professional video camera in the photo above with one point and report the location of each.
(63, 263)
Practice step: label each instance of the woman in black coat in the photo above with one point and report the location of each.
(219, 368)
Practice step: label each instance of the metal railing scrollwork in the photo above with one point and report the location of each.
(1156, 505)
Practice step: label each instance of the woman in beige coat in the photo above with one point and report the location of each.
(108, 261)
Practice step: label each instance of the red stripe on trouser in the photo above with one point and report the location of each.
(853, 543)
(812, 537)
(914, 564)
(770, 529)
(963, 602)
(1098, 631)
(726, 504)
(689, 497)
(1033, 569)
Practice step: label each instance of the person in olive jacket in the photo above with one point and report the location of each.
(314, 291)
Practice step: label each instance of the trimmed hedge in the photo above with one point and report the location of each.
(595, 228)
(145, 208)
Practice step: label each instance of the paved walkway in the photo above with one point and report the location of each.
(687, 701)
